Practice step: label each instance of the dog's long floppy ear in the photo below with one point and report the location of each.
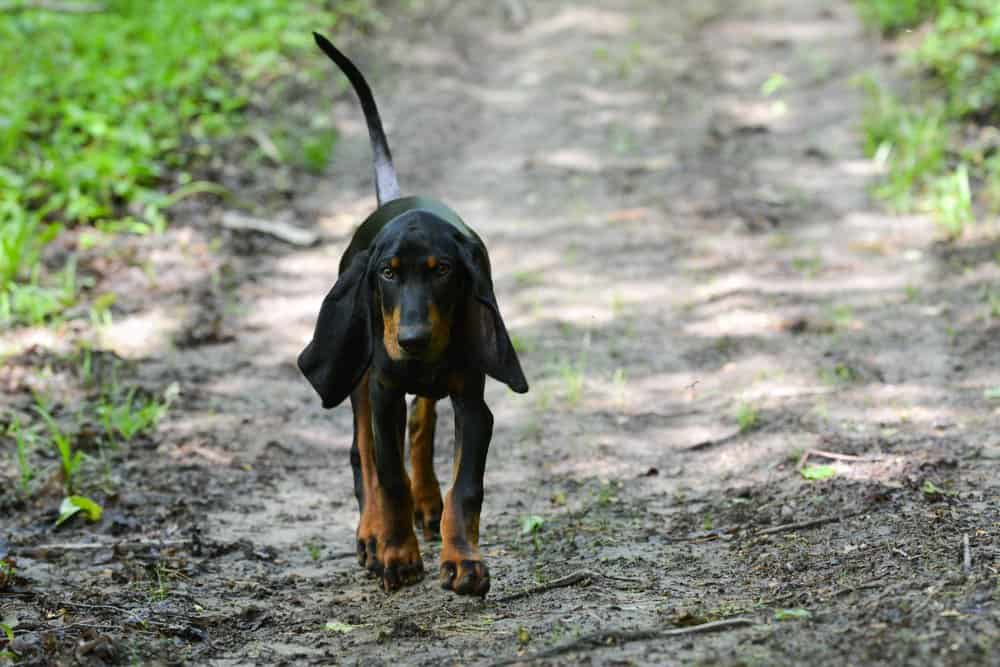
(341, 349)
(489, 345)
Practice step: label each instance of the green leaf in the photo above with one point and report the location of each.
(338, 627)
(992, 394)
(792, 614)
(934, 492)
(774, 83)
(73, 504)
(818, 472)
(531, 524)
(7, 631)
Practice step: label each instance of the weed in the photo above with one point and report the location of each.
(792, 614)
(162, 589)
(115, 108)
(934, 156)
(748, 417)
(70, 460)
(893, 15)
(573, 377)
(817, 473)
(774, 83)
(620, 384)
(606, 494)
(73, 505)
(950, 201)
(26, 472)
(315, 550)
(531, 525)
(127, 416)
(841, 373)
(809, 267)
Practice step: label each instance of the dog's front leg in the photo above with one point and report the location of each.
(462, 568)
(397, 555)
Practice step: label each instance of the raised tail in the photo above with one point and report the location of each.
(386, 185)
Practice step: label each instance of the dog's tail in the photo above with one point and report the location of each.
(386, 186)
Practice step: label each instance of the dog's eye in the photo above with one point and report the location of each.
(388, 273)
(443, 269)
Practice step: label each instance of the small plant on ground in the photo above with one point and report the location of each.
(70, 460)
(748, 417)
(531, 525)
(25, 471)
(128, 415)
(934, 141)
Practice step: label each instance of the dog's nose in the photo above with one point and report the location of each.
(414, 337)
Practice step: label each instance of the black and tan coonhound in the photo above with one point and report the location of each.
(412, 312)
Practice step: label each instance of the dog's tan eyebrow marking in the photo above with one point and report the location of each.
(432, 262)
(394, 262)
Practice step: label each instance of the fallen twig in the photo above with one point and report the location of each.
(44, 550)
(605, 638)
(834, 456)
(860, 587)
(812, 523)
(279, 230)
(581, 577)
(966, 554)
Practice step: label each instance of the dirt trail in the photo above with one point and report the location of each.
(672, 248)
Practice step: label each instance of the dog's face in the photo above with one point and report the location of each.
(422, 292)
(419, 282)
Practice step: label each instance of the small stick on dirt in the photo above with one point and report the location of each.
(601, 639)
(583, 576)
(835, 457)
(45, 550)
(966, 555)
(860, 587)
(812, 523)
(279, 230)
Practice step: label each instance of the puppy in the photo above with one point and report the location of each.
(412, 312)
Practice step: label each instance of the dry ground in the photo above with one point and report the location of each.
(702, 292)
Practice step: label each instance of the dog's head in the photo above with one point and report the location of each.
(421, 291)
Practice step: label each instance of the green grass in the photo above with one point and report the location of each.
(109, 118)
(748, 417)
(934, 141)
(893, 15)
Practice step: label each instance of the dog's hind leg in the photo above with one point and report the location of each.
(427, 503)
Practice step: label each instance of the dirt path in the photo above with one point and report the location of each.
(675, 253)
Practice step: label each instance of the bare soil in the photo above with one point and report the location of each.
(702, 291)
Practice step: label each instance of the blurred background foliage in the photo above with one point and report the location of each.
(106, 116)
(938, 138)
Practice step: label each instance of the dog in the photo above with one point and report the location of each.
(413, 311)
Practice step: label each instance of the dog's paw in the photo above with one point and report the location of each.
(465, 577)
(427, 508)
(395, 559)
(396, 566)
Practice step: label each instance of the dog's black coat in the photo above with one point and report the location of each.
(360, 349)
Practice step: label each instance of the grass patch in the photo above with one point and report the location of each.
(935, 141)
(109, 118)
(748, 417)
